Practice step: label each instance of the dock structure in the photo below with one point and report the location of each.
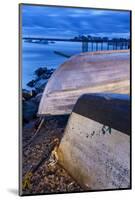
(103, 71)
(96, 43)
(84, 46)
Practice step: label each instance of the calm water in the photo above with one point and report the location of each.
(42, 55)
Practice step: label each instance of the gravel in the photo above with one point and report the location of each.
(47, 178)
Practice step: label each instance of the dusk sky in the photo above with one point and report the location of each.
(63, 22)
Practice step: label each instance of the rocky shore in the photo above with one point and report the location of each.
(48, 177)
(31, 97)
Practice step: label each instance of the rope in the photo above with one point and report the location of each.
(35, 134)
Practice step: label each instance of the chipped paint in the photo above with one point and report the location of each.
(97, 156)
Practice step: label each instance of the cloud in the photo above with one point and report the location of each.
(69, 22)
(98, 12)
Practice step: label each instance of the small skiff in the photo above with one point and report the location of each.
(91, 72)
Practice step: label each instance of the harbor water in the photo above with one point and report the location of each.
(35, 55)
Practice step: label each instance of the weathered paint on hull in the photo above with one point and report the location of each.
(97, 161)
(105, 71)
(95, 148)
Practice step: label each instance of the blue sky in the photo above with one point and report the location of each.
(69, 22)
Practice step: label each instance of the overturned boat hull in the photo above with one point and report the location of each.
(95, 148)
(104, 71)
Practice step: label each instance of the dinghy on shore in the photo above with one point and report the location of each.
(102, 71)
(94, 88)
(95, 148)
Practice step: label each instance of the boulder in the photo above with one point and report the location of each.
(40, 71)
(31, 83)
(26, 94)
(37, 98)
(29, 110)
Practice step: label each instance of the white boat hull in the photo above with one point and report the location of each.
(105, 71)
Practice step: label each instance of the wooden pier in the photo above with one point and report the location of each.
(98, 43)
